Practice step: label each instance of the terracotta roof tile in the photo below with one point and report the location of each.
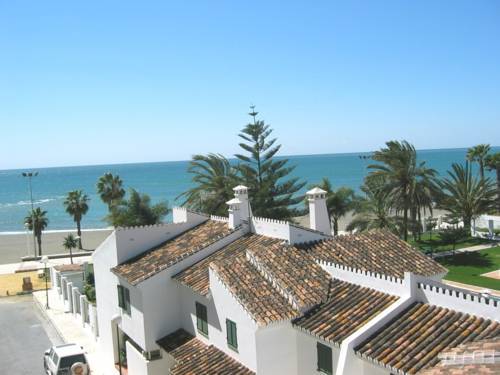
(69, 267)
(348, 308)
(293, 272)
(193, 357)
(487, 346)
(376, 251)
(254, 292)
(412, 341)
(196, 276)
(172, 251)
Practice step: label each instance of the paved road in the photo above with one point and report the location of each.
(24, 336)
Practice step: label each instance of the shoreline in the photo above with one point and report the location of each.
(69, 230)
(13, 246)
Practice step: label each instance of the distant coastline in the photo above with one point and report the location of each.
(166, 181)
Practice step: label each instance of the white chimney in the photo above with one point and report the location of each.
(241, 193)
(318, 213)
(234, 212)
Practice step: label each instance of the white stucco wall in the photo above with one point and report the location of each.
(439, 294)
(307, 356)
(277, 350)
(227, 307)
(382, 283)
(104, 258)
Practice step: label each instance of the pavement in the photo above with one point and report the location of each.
(70, 328)
(26, 334)
(466, 250)
(35, 265)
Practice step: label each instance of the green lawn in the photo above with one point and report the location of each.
(467, 267)
(438, 246)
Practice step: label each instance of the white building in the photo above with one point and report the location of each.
(246, 295)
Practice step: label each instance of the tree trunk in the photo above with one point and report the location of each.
(79, 232)
(335, 227)
(467, 224)
(39, 240)
(481, 169)
(71, 254)
(405, 224)
(498, 190)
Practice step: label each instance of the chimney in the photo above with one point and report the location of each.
(234, 212)
(318, 213)
(241, 193)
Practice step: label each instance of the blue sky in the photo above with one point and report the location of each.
(95, 82)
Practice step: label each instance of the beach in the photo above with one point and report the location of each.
(13, 246)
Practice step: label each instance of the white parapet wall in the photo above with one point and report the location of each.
(383, 283)
(291, 233)
(439, 294)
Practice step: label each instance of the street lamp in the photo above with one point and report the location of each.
(45, 260)
(30, 175)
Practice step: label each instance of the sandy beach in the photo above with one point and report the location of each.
(13, 246)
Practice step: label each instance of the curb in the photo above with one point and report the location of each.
(43, 311)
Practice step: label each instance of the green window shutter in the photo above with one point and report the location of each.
(231, 334)
(325, 364)
(201, 318)
(127, 301)
(121, 302)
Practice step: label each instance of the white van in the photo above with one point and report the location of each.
(68, 359)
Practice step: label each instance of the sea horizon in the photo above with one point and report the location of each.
(166, 181)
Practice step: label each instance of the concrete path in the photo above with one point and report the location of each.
(466, 249)
(70, 328)
(33, 265)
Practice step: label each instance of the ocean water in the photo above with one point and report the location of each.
(164, 181)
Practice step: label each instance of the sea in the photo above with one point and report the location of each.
(166, 181)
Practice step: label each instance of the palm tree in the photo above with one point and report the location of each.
(374, 210)
(493, 164)
(466, 196)
(403, 177)
(214, 178)
(76, 205)
(137, 211)
(70, 243)
(37, 221)
(338, 202)
(110, 188)
(478, 154)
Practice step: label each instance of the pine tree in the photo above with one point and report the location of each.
(271, 193)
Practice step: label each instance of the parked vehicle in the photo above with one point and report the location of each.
(68, 359)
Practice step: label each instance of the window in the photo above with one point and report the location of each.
(324, 359)
(201, 319)
(124, 299)
(231, 334)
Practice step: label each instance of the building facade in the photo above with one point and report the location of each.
(249, 295)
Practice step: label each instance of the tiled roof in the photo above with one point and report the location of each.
(256, 294)
(172, 251)
(196, 276)
(69, 267)
(193, 357)
(376, 251)
(293, 272)
(412, 341)
(482, 364)
(349, 307)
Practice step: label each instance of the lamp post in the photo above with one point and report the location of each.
(30, 175)
(45, 260)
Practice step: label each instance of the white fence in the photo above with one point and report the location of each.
(70, 292)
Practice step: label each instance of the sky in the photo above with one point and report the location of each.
(100, 82)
